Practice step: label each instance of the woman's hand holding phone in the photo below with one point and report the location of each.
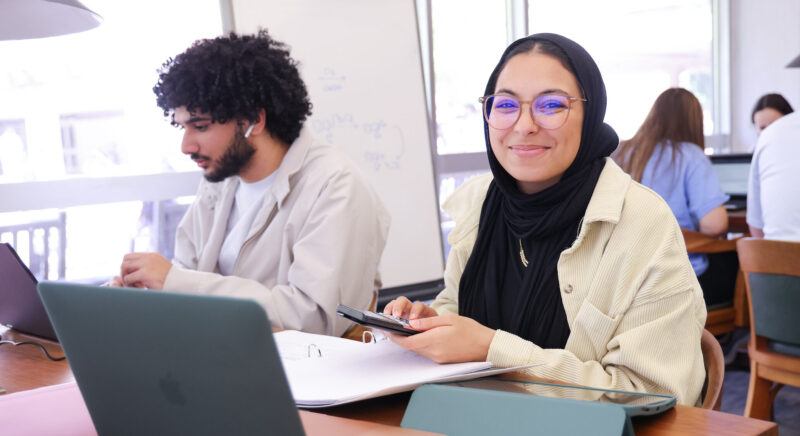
(446, 338)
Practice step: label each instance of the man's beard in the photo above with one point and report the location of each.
(236, 157)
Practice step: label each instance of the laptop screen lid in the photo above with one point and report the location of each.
(20, 305)
(151, 362)
(733, 173)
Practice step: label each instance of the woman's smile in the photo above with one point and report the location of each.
(528, 151)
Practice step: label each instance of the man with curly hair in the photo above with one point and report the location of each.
(280, 218)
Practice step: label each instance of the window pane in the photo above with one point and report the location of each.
(448, 183)
(642, 48)
(83, 104)
(468, 38)
(86, 243)
(14, 167)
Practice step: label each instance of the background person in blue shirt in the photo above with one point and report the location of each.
(667, 155)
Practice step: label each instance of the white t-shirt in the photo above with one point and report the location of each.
(246, 204)
(773, 195)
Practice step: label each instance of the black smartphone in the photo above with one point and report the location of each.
(376, 320)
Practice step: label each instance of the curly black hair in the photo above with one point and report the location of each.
(233, 77)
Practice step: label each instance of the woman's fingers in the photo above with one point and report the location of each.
(402, 307)
(398, 307)
(420, 310)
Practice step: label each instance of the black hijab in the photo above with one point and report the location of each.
(495, 288)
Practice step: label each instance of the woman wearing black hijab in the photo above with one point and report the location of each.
(558, 258)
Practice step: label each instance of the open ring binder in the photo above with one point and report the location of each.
(311, 351)
(371, 337)
(326, 370)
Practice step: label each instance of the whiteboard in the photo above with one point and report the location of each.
(361, 62)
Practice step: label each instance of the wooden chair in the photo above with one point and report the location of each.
(714, 362)
(721, 318)
(772, 283)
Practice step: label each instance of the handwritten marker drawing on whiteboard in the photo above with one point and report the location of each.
(331, 80)
(390, 158)
(383, 145)
(365, 79)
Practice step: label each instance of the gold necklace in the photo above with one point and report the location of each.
(522, 255)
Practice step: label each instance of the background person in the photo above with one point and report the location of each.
(667, 155)
(773, 209)
(769, 108)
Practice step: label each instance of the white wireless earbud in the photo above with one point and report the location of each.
(249, 129)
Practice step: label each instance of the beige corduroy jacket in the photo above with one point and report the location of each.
(633, 303)
(316, 242)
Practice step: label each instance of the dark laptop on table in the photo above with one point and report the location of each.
(20, 305)
(733, 173)
(151, 362)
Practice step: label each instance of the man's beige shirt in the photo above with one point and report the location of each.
(315, 243)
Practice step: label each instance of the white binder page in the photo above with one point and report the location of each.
(325, 370)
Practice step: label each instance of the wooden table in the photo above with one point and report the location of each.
(737, 221)
(26, 367)
(681, 420)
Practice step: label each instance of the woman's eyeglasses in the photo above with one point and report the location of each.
(549, 111)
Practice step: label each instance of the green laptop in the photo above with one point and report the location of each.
(151, 362)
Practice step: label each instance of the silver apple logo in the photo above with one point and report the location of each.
(171, 389)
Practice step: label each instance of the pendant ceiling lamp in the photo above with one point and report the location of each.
(26, 19)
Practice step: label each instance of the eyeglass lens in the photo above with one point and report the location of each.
(549, 111)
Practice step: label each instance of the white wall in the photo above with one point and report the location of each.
(765, 37)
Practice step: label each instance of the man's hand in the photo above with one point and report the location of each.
(448, 339)
(144, 270)
(115, 282)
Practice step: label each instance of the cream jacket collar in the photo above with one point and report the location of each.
(605, 204)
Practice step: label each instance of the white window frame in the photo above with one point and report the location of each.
(517, 27)
(82, 191)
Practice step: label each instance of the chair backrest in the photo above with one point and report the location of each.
(38, 242)
(772, 279)
(167, 214)
(714, 362)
